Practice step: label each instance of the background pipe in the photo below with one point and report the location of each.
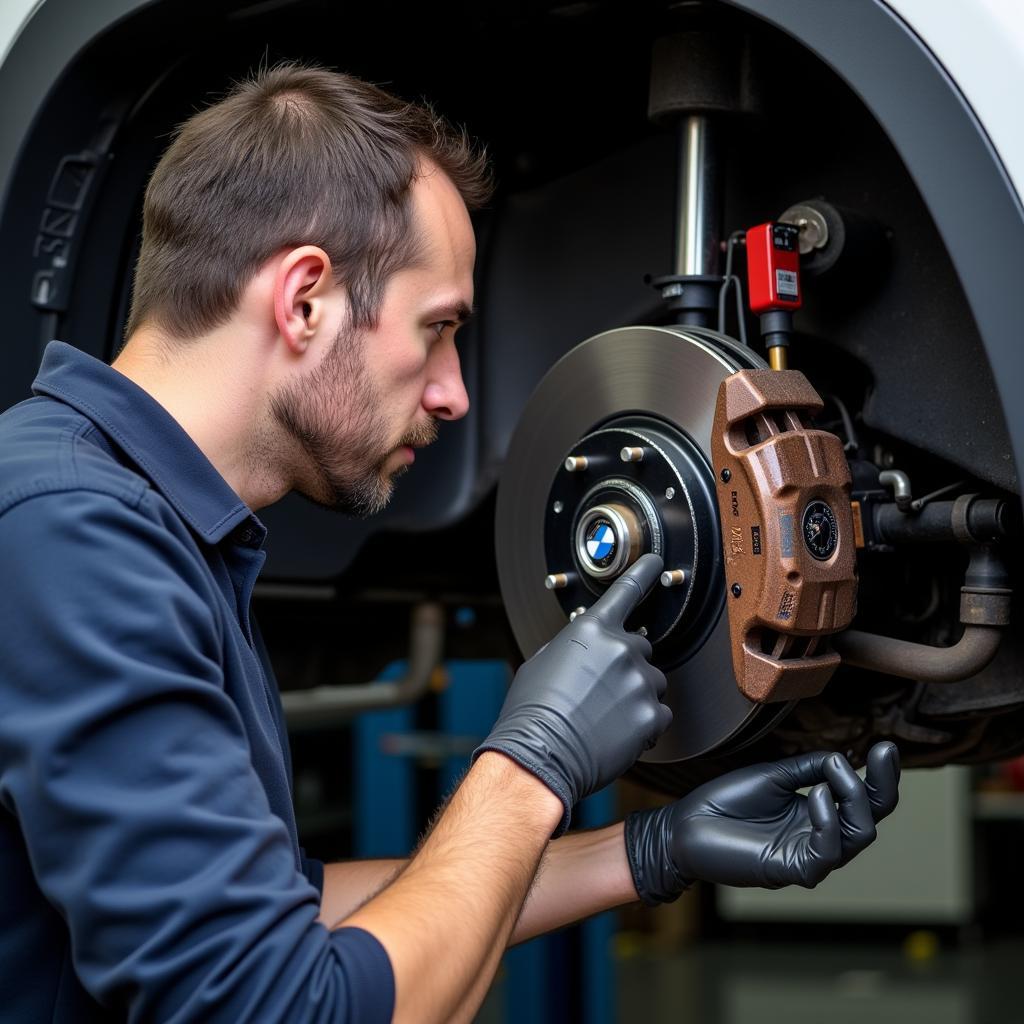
(968, 656)
(984, 610)
(327, 705)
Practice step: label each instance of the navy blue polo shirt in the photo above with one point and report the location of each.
(149, 862)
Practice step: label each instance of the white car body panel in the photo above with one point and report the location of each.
(980, 44)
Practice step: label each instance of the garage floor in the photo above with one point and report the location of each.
(813, 985)
(795, 984)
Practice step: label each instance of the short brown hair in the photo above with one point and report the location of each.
(295, 155)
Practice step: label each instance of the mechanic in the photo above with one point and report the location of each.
(307, 257)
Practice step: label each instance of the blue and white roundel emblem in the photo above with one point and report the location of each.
(601, 542)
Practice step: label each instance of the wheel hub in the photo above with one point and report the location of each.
(634, 485)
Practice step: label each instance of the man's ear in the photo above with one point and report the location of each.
(302, 282)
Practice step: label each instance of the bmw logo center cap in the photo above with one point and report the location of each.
(601, 543)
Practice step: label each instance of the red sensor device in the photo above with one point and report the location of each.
(773, 267)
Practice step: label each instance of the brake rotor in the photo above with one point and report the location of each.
(612, 457)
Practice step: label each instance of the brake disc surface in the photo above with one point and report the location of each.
(671, 374)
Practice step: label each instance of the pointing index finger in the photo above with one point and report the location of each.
(616, 604)
(883, 779)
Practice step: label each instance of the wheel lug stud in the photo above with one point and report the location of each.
(556, 580)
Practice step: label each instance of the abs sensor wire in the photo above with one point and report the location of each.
(851, 444)
(919, 503)
(736, 238)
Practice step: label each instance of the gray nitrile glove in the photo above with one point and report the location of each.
(752, 828)
(584, 707)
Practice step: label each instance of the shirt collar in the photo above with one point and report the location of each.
(147, 433)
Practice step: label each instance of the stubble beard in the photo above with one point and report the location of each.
(334, 414)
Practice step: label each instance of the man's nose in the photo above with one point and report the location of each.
(445, 394)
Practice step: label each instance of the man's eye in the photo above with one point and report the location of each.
(441, 325)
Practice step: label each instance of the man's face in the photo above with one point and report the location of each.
(377, 395)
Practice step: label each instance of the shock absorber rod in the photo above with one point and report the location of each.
(700, 77)
(698, 204)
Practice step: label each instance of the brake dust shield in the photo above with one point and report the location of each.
(611, 457)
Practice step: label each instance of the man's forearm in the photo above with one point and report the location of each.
(447, 917)
(581, 874)
(348, 884)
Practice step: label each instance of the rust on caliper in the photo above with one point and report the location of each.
(787, 532)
